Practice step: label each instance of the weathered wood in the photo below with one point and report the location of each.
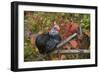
(66, 40)
(73, 51)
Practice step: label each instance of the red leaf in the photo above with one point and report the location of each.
(74, 43)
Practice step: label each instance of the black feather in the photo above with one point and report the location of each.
(47, 43)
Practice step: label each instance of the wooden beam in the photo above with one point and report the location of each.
(66, 40)
(73, 51)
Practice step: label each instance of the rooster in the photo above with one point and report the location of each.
(46, 42)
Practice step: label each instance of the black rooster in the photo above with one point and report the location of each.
(46, 42)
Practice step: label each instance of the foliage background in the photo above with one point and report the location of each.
(38, 22)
